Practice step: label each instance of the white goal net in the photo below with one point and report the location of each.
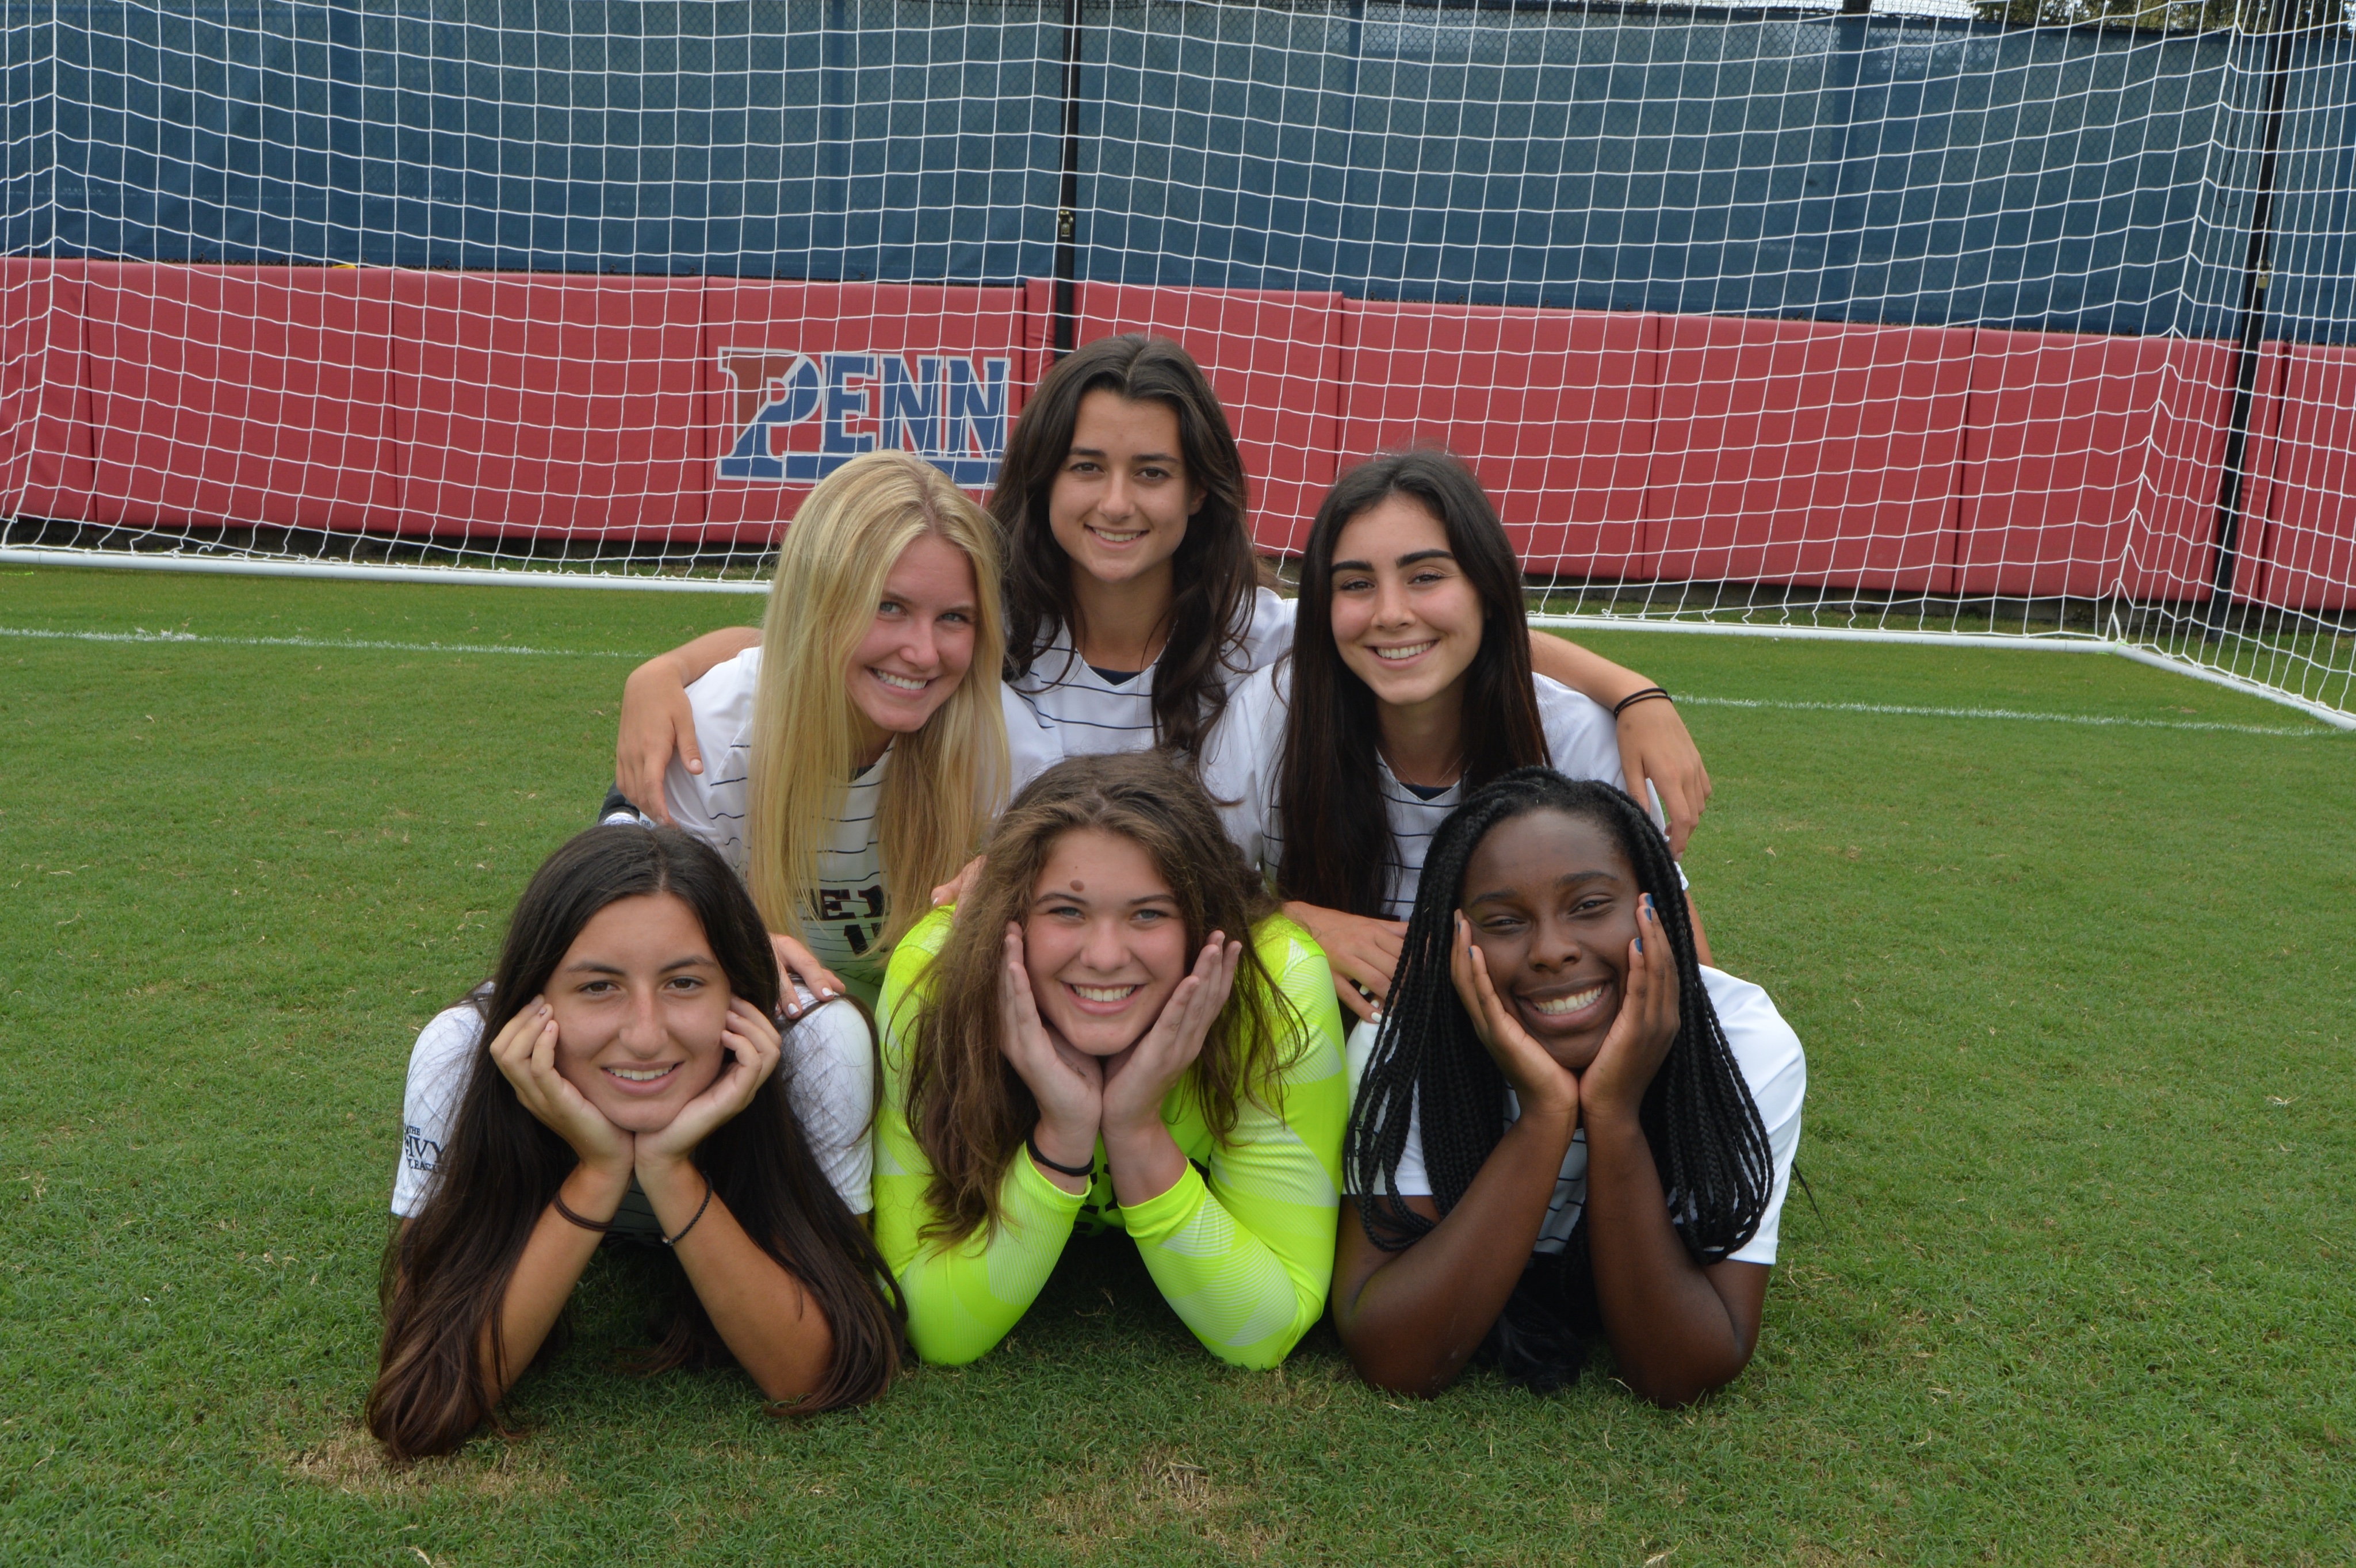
(2028, 317)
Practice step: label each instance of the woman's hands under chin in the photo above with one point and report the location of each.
(1068, 1084)
(1136, 1080)
(525, 1052)
(1639, 1041)
(753, 1051)
(1540, 1083)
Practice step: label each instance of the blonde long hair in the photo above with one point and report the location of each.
(947, 780)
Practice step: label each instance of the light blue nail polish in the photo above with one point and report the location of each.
(1640, 944)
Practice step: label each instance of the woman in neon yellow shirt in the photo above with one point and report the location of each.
(1081, 1039)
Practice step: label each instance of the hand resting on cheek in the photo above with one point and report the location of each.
(1103, 1010)
(1549, 957)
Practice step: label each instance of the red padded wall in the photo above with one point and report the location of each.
(2071, 436)
(1904, 458)
(548, 404)
(241, 395)
(1274, 357)
(1553, 408)
(754, 331)
(2308, 496)
(45, 466)
(2170, 545)
(1807, 452)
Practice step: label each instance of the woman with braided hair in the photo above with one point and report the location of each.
(1566, 1125)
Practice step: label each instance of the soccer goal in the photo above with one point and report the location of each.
(2025, 319)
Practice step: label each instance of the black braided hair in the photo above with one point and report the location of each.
(1716, 1167)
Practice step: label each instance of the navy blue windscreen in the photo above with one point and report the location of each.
(1886, 168)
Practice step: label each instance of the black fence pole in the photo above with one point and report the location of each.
(1067, 250)
(2258, 274)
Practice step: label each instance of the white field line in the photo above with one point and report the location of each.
(371, 572)
(1895, 709)
(2047, 642)
(142, 635)
(2101, 720)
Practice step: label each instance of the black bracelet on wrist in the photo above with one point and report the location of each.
(601, 1227)
(675, 1240)
(1647, 696)
(1032, 1143)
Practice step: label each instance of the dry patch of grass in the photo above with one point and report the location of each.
(350, 1461)
(1113, 1501)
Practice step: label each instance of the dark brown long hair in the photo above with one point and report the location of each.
(968, 1107)
(1338, 848)
(1214, 572)
(446, 1272)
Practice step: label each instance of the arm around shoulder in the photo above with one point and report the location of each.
(656, 720)
(1654, 744)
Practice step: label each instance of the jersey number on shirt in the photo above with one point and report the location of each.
(832, 904)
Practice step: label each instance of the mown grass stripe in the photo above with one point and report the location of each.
(143, 635)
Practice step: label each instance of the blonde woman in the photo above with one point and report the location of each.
(859, 754)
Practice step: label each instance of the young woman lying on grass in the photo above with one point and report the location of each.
(1120, 1031)
(1134, 602)
(1567, 1126)
(1335, 767)
(619, 1078)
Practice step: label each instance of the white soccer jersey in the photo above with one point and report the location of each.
(1772, 1065)
(830, 1061)
(1240, 764)
(844, 917)
(1078, 710)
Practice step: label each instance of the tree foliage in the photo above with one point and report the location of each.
(2172, 15)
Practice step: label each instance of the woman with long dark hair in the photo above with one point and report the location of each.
(619, 1078)
(1117, 1031)
(1335, 767)
(1568, 1127)
(1134, 603)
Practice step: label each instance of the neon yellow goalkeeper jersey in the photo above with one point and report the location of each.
(1242, 1246)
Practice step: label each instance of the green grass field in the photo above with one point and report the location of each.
(2074, 1286)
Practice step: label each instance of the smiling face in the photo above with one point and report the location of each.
(1406, 618)
(1103, 941)
(1122, 497)
(639, 1002)
(920, 644)
(1552, 903)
